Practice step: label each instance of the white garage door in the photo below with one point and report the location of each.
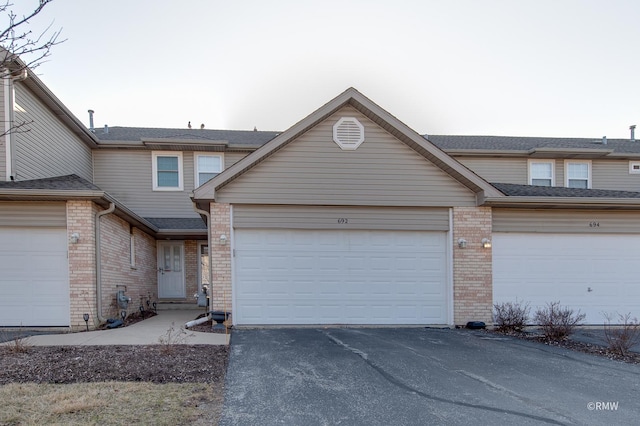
(593, 273)
(340, 277)
(34, 281)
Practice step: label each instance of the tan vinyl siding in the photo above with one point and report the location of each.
(500, 170)
(46, 147)
(31, 213)
(231, 158)
(566, 221)
(317, 217)
(127, 175)
(614, 174)
(313, 170)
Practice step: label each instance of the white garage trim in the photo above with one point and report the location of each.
(593, 273)
(340, 277)
(34, 283)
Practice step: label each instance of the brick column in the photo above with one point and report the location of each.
(221, 256)
(472, 266)
(82, 255)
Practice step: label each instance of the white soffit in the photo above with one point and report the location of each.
(348, 133)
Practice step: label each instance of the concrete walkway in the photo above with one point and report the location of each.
(147, 332)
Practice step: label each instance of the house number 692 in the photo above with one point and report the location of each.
(343, 220)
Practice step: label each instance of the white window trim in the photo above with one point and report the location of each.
(195, 166)
(154, 166)
(553, 170)
(631, 165)
(566, 171)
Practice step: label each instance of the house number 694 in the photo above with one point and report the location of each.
(343, 220)
(594, 224)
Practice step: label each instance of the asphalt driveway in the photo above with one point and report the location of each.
(417, 376)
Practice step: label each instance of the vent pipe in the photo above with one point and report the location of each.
(633, 132)
(604, 140)
(106, 128)
(91, 120)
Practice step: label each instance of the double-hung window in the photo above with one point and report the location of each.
(207, 167)
(167, 171)
(541, 172)
(578, 174)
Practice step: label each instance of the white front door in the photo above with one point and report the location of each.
(171, 270)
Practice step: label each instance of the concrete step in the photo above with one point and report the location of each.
(183, 306)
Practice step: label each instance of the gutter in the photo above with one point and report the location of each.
(562, 202)
(111, 208)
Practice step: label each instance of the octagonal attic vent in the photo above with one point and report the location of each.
(348, 133)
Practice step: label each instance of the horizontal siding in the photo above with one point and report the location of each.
(566, 221)
(128, 176)
(48, 214)
(317, 217)
(500, 170)
(231, 158)
(313, 170)
(608, 174)
(46, 147)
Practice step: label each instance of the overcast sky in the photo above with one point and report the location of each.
(499, 67)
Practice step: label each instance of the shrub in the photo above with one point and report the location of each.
(510, 317)
(557, 322)
(622, 336)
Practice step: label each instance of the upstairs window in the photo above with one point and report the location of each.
(207, 167)
(578, 174)
(167, 171)
(541, 173)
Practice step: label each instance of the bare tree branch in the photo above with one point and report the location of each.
(19, 47)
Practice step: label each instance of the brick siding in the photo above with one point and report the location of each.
(140, 280)
(472, 269)
(221, 256)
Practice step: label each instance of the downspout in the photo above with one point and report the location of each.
(9, 107)
(6, 86)
(111, 208)
(209, 251)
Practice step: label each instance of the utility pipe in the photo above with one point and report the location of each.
(196, 322)
(209, 250)
(111, 208)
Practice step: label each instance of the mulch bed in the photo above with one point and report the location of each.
(152, 363)
(568, 343)
(144, 363)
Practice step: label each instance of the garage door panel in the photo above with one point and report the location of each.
(593, 273)
(339, 277)
(34, 282)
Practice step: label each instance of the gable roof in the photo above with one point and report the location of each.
(375, 113)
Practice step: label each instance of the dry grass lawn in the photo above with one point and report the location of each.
(110, 403)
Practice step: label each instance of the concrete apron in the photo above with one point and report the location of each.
(147, 332)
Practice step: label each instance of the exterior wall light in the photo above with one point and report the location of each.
(486, 243)
(75, 237)
(462, 243)
(223, 239)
